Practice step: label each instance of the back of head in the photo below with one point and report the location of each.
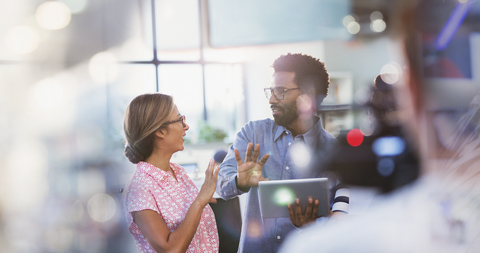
(308, 71)
(219, 156)
(383, 97)
(145, 114)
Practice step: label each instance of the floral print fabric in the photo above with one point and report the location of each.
(154, 189)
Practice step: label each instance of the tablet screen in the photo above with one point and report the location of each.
(274, 196)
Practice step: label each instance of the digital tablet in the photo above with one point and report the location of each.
(275, 195)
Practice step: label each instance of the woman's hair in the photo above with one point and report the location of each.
(145, 114)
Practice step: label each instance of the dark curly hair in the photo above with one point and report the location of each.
(307, 70)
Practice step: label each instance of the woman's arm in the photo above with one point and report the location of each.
(156, 232)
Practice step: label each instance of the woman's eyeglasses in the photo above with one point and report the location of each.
(181, 119)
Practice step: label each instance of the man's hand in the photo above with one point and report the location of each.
(297, 218)
(249, 173)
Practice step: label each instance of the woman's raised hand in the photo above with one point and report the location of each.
(208, 187)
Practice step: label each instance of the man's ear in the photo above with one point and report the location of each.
(160, 133)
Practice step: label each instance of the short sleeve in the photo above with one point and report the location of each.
(140, 198)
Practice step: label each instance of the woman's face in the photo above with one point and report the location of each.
(175, 131)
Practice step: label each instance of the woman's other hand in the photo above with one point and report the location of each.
(208, 187)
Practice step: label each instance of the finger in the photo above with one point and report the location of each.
(291, 214)
(298, 211)
(237, 157)
(210, 167)
(263, 160)
(248, 154)
(256, 152)
(315, 209)
(213, 201)
(308, 210)
(263, 179)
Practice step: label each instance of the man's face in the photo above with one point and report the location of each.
(284, 110)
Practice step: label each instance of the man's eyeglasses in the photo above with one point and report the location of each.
(278, 93)
(181, 119)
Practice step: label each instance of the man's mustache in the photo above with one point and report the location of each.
(276, 107)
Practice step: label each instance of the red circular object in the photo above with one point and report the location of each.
(354, 137)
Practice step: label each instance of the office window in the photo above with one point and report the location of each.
(177, 29)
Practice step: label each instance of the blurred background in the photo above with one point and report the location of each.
(69, 68)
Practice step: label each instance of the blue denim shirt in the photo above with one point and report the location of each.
(266, 235)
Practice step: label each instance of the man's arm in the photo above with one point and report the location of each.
(342, 199)
(238, 174)
(227, 177)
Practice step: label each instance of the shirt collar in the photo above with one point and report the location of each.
(280, 130)
(310, 136)
(155, 172)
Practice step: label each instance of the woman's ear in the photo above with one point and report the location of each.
(160, 133)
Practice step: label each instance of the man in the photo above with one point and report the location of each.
(440, 211)
(285, 144)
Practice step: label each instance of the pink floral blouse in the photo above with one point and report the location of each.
(154, 189)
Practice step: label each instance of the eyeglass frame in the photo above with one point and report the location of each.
(181, 119)
(272, 91)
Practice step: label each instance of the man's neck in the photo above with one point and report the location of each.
(301, 126)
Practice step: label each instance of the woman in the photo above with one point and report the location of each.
(165, 212)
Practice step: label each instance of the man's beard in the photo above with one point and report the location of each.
(290, 114)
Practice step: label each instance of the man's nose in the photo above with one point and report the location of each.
(273, 99)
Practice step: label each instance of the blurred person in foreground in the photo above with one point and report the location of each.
(439, 212)
(285, 147)
(165, 211)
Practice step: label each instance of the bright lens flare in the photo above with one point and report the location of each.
(284, 196)
(300, 154)
(53, 15)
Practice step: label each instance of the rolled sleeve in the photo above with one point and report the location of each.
(341, 201)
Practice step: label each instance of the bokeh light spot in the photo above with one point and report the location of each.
(385, 167)
(376, 15)
(353, 27)
(388, 146)
(354, 137)
(53, 15)
(347, 20)
(391, 72)
(378, 25)
(101, 207)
